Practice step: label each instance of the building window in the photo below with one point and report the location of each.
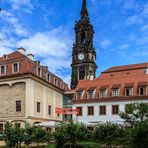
(38, 107)
(79, 95)
(49, 109)
(55, 81)
(80, 111)
(142, 90)
(52, 79)
(115, 109)
(18, 106)
(81, 73)
(62, 85)
(103, 93)
(59, 83)
(115, 92)
(1, 127)
(39, 71)
(48, 77)
(102, 110)
(90, 110)
(90, 94)
(128, 91)
(3, 70)
(15, 67)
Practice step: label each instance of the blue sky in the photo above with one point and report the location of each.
(45, 28)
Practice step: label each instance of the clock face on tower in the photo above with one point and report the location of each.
(81, 56)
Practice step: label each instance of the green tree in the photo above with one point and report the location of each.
(9, 135)
(60, 136)
(83, 133)
(107, 134)
(13, 135)
(48, 137)
(68, 134)
(18, 135)
(39, 135)
(136, 116)
(28, 134)
(139, 135)
(134, 113)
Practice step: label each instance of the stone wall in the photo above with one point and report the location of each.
(8, 97)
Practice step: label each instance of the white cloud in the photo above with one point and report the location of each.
(124, 46)
(54, 43)
(4, 49)
(145, 28)
(130, 5)
(145, 10)
(105, 43)
(133, 20)
(13, 25)
(52, 48)
(24, 5)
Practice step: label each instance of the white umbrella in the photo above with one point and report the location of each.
(50, 124)
(86, 123)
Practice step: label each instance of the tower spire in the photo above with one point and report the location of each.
(84, 12)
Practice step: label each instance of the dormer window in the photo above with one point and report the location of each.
(62, 85)
(48, 77)
(15, 67)
(91, 93)
(79, 95)
(55, 81)
(128, 91)
(115, 90)
(142, 88)
(3, 70)
(103, 92)
(39, 71)
(5, 57)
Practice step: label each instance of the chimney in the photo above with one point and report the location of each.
(45, 67)
(5, 57)
(21, 50)
(37, 62)
(30, 56)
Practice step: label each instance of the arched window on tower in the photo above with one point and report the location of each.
(81, 73)
(83, 39)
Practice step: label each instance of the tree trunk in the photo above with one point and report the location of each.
(17, 145)
(20, 145)
(109, 145)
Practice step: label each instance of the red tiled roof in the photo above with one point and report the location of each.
(91, 88)
(129, 76)
(142, 84)
(27, 66)
(126, 67)
(129, 85)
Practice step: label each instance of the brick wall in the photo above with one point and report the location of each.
(8, 97)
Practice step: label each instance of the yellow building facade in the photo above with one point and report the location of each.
(27, 97)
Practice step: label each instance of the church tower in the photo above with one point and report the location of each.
(84, 54)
